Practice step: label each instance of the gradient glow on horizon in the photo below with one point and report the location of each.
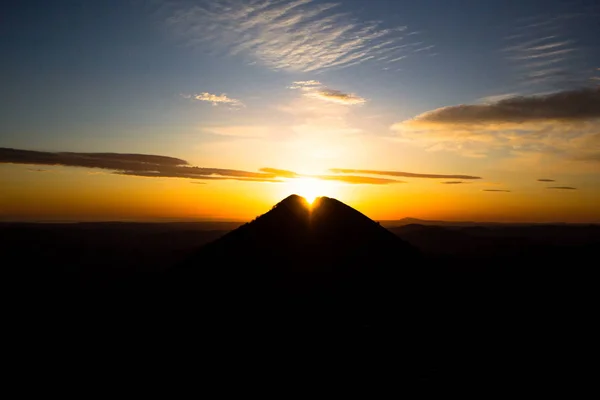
(393, 107)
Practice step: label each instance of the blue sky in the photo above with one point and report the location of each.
(75, 68)
(305, 85)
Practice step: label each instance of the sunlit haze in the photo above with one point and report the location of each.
(217, 110)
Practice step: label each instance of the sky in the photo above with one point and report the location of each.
(190, 110)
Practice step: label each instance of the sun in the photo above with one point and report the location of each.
(310, 188)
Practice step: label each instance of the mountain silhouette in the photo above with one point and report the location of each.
(299, 247)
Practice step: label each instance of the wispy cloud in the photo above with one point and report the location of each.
(562, 187)
(453, 182)
(496, 190)
(337, 96)
(393, 60)
(352, 179)
(317, 90)
(303, 84)
(302, 35)
(497, 98)
(401, 174)
(546, 180)
(145, 165)
(545, 53)
(215, 99)
(280, 172)
(356, 179)
(425, 48)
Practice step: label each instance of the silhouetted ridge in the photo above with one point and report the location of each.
(296, 246)
(336, 217)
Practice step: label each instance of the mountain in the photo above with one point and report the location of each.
(320, 237)
(298, 247)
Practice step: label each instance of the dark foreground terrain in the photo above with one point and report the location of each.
(309, 294)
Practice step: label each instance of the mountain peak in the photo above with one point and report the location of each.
(293, 199)
(296, 236)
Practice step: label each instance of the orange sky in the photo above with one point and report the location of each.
(82, 194)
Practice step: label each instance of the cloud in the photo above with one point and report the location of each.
(393, 60)
(90, 160)
(546, 180)
(37, 170)
(562, 187)
(337, 96)
(144, 165)
(215, 99)
(300, 35)
(302, 84)
(317, 90)
(544, 52)
(497, 98)
(280, 172)
(496, 190)
(453, 182)
(424, 48)
(573, 105)
(559, 124)
(155, 166)
(399, 173)
(353, 179)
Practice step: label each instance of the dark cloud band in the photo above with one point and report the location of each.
(155, 166)
(569, 105)
(401, 174)
(130, 164)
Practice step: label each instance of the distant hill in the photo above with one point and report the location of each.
(410, 221)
